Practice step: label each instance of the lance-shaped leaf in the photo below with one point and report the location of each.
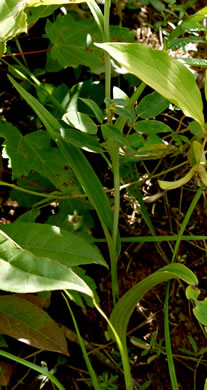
(23, 272)
(28, 323)
(95, 108)
(76, 160)
(161, 72)
(55, 243)
(124, 308)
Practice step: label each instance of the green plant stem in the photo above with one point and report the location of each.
(114, 152)
(83, 349)
(170, 361)
(107, 7)
(166, 316)
(21, 51)
(123, 352)
(116, 192)
(51, 196)
(155, 238)
(34, 367)
(113, 149)
(121, 121)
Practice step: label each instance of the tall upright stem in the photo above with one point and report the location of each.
(107, 7)
(113, 149)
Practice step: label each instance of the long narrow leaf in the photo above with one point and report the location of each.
(124, 308)
(34, 367)
(76, 159)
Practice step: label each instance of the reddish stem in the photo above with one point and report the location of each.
(26, 52)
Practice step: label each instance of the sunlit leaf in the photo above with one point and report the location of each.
(23, 272)
(80, 121)
(13, 19)
(161, 72)
(57, 244)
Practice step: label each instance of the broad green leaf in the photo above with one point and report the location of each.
(124, 308)
(151, 127)
(72, 41)
(80, 121)
(161, 72)
(28, 323)
(79, 139)
(34, 151)
(13, 19)
(55, 243)
(95, 108)
(151, 105)
(112, 133)
(23, 272)
(205, 86)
